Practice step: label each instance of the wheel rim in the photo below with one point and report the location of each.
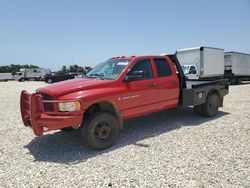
(102, 131)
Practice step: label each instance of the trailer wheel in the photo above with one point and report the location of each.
(238, 81)
(210, 108)
(235, 81)
(100, 130)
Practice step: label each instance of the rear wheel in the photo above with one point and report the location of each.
(100, 130)
(211, 107)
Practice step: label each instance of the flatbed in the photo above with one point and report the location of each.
(201, 83)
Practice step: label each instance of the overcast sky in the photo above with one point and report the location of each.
(52, 33)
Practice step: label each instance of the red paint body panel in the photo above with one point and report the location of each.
(131, 98)
(73, 85)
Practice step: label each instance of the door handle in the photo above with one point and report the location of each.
(151, 84)
(174, 82)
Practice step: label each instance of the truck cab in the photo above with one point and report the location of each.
(191, 72)
(115, 90)
(18, 76)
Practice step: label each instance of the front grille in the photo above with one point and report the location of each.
(47, 106)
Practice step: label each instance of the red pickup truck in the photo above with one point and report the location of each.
(115, 90)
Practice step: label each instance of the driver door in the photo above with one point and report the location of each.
(140, 95)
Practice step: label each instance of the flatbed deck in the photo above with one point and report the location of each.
(199, 83)
(196, 92)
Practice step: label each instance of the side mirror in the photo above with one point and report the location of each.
(136, 75)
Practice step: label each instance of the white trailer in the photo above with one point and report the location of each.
(202, 62)
(6, 76)
(31, 74)
(237, 67)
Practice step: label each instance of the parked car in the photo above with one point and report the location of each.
(115, 90)
(58, 77)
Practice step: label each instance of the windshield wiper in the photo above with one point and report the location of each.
(96, 75)
(99, 76)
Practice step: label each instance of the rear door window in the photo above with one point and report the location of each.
(162, 67)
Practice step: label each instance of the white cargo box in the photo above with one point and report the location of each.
(238, 63)
(6, 76)
(208, 61)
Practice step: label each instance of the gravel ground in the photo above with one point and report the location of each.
(172, 148)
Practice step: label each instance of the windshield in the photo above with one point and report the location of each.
(185, 69)
(109, 70)
(18, 74)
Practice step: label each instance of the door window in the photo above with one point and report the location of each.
(162, 67)
(192, 70)
(144, 66)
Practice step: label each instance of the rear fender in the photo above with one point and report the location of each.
(218, 94)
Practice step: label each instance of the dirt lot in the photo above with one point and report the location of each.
(174, 148)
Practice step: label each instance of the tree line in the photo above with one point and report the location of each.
(75, 68)
(15, 68)
(72, 68)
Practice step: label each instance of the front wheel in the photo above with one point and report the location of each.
(100, 131)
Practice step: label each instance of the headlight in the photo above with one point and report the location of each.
(69, 106)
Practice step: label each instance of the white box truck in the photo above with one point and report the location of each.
(6, 76)
(31, 74)
(202, 63)
(237, 67)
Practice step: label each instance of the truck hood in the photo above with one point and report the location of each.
(74, 85)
